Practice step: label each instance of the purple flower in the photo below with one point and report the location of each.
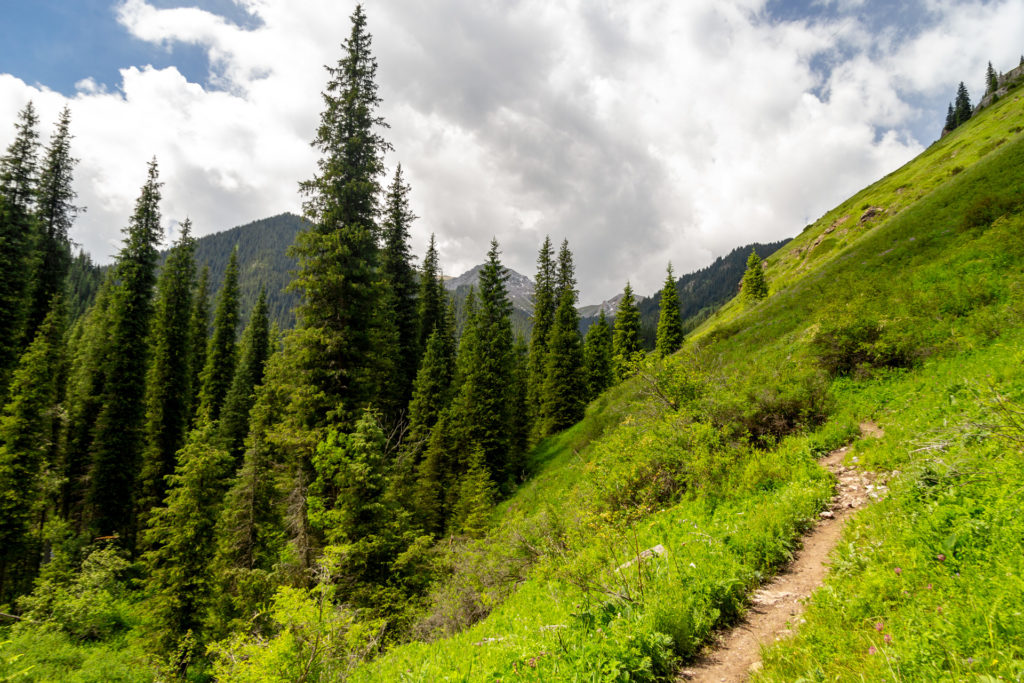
(940, 557)
(898, 571)
(872, 650)
(879, 626)
(929, 586)
(888, 637)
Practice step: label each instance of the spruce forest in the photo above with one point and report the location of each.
(353, 472)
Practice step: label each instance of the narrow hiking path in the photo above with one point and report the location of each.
(776, 607)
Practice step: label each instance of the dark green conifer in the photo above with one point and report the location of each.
(346, 502)
(564, 388)
(544, 304)
(991, 80)
(670, 323)
(484, 396)
(626, 347)
(521, 426)
(199, 333)
(434, 473)
(754, 285)
(432, 300)
(18, 185)
(27, 428)
(399, 303)
(55, 212)
(950, 119)
(433, 386)
(118, 434)
(472, 511)
(338, 255)
(222, 350)
(182, 541)
(167, 385)
(85, 391)
(251, 532)
(599, 368)
(234, 417)
(962, 107)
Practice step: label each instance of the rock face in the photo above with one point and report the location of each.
(1005, 81)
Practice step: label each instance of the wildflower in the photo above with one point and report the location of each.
(940, 557)
(888, 637)
(872, 650)
(879, 626)
(898, 571)
(929, 586)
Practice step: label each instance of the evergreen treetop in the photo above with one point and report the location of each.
(338, 254)
(19, 167)
(754, 286)
(626, 339)
(170, 373)
(56, 211)
(431, 299)
(221, 352)
(598, 357)
(991, 80)
(962, 106)
(118, 430)
(670, 323)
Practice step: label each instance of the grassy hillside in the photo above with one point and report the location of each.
(902, 305)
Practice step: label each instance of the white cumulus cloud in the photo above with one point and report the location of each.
(642, 132)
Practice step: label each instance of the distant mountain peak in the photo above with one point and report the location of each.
(520, 287)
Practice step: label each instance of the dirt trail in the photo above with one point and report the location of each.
(776, 607)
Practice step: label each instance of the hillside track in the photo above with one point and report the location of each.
(776, 608)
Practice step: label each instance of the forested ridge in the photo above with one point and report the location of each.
(402, 483)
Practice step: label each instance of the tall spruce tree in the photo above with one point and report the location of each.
(167, 385)
(399, 304)
(27, 427)
(564, 386)
(598, 364)
(950, 119)
(199, 334)
(544, 304)
(431, 301)
(962, 106)
(118, 433)
(434, 474)
(234, 417)
(252, 530)
(432, 389)
(754, 285)
(86, 381)
(626, 347)
(338, 255)
(182, 541)
(222, 350)
(55, 211)
(991, 80)
(670, 322)
(366, 535)
(484, 396)
(18, 184)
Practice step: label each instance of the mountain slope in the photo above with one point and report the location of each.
(647, 524)
(262, 261)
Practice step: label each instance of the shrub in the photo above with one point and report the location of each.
(983, 211)
(854, 345)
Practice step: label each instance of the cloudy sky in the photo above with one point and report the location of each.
(641, 131)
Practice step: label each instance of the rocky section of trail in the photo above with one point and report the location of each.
(776, 608)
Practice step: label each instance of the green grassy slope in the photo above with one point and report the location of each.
(905, 316)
